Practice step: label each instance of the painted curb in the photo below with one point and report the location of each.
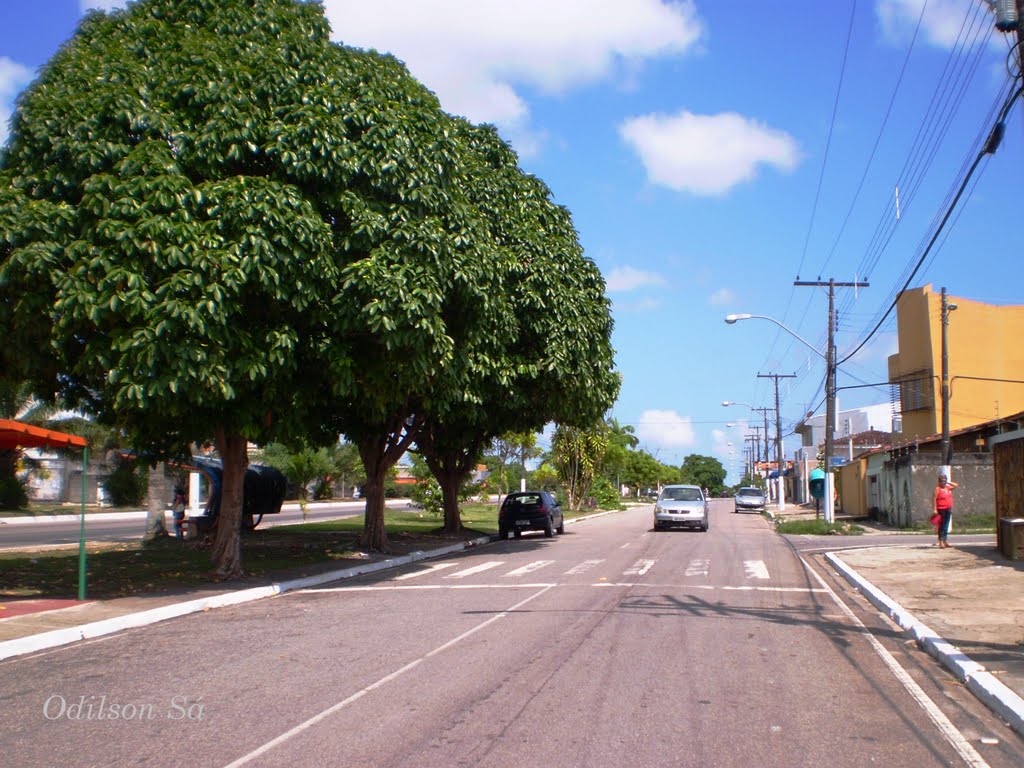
(985, 687)
(58, 637)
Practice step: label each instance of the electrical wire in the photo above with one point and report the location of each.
(828, 142)
(878, 139)
(989, 148)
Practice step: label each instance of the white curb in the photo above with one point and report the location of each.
(57, 637)
(990, 691)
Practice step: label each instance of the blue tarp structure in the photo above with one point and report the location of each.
(263, 490)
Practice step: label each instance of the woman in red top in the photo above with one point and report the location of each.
(944, 507)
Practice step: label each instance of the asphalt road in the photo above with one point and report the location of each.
(117, 527)
(610, 646)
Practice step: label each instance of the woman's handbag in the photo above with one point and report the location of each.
(935, 519)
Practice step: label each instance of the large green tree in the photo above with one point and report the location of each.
(541, 352)
(705, 471)
(163, 260)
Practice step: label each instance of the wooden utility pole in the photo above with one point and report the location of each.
(780, 496)
(830, 381)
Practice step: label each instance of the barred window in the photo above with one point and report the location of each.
(917, 392)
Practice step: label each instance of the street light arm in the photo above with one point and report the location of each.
(731, 319)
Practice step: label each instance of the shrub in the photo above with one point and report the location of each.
(126, 485)
(12, 494)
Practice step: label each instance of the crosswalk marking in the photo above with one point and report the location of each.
(583, 567)
(475, 569)
(534, 566)
(755, 569)
(639, 568)
(424, 571)
(698, 568)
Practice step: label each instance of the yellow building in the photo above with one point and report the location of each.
(986, 361)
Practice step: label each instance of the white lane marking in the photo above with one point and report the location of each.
(639, 568)
(706, 587)
(698, 568)
(530, 567)
(756, 569)
(586, 565)
(424, 571)
(475, 569)
(538, 585)
(936, 715)
(374, 686)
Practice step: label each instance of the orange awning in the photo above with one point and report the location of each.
(15, 434)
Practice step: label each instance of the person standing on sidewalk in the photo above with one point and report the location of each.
(944, 507)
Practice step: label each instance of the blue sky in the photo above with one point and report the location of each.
(711, 153)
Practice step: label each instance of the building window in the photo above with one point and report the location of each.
(916, 392)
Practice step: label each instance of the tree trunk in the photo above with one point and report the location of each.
(156, 504)
(450, 469)
(375, 535)
(380, 450)
(450, 482)
(227, 549)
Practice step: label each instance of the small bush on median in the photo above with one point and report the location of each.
(817, 527)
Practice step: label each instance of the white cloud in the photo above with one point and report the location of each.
(665, 429)
(941, 24)
(722, 296)
(13, 77)
(707, 154)
(102, 5)
(629, 279)
(477, 54)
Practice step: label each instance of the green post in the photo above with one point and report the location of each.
(81, 535)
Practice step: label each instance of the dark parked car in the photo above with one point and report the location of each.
(749, 499)
(530, 511)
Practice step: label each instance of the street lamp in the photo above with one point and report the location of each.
(732, 319)
(830, 395)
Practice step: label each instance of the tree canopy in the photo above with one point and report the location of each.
(215, 223)
(165, 264)
(705, 471)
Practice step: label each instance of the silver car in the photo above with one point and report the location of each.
(682, 505)
(749, 499)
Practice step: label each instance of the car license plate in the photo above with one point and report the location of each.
(522, 523)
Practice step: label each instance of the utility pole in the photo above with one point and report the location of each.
(764, 412)
(830, 385)
(753, 443)
(947, 454)
(780, 497)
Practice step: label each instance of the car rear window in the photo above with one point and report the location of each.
(751, 492)
(523, 502)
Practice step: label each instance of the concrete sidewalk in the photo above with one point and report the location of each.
(963, 605)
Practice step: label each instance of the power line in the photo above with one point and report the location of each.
(990, 147)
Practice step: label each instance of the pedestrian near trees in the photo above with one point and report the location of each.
(943, 504)
(178, 510)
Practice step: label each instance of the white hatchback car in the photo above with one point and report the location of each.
(681, 505)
